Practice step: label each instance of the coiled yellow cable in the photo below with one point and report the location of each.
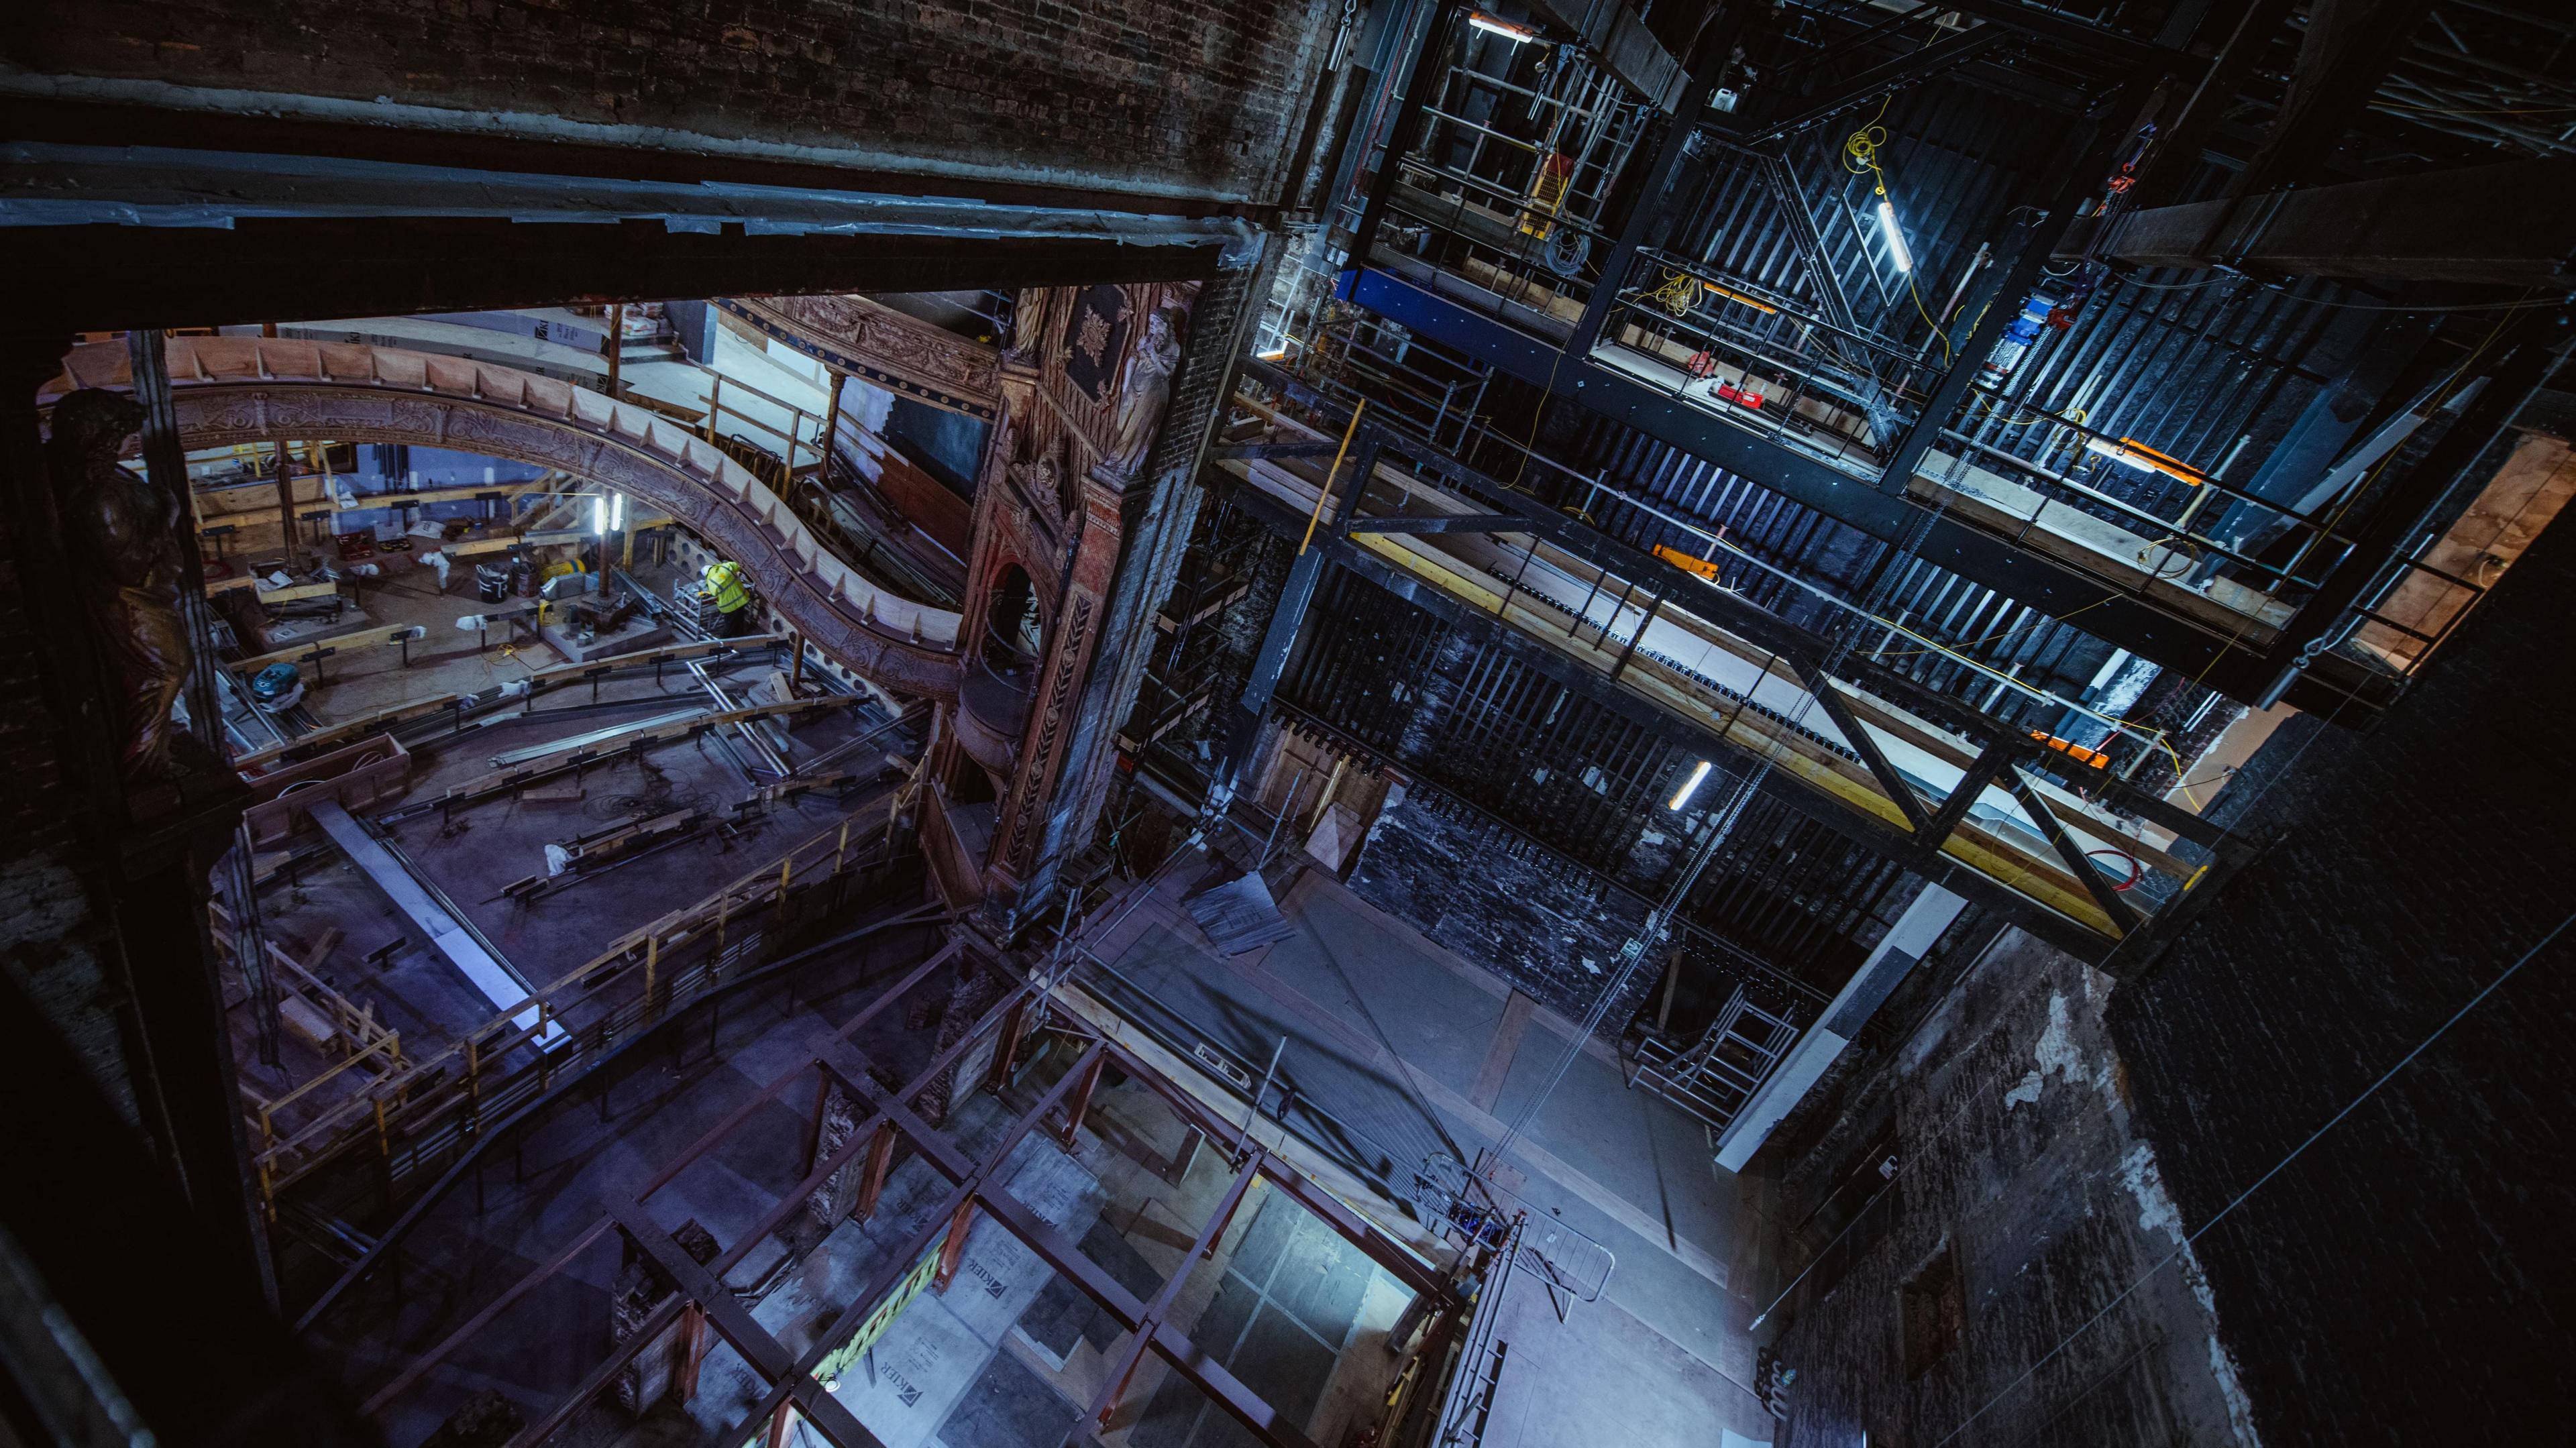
(1860, 158)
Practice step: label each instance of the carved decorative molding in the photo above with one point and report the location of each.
(901, 353)
(270, 389)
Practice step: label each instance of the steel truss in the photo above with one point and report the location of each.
(699, 1301)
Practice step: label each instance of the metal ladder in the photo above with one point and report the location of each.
(1714, 1076)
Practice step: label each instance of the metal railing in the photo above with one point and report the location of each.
(408, 1105)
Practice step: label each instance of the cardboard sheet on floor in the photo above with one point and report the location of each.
(999, 1276)
(922, 1365)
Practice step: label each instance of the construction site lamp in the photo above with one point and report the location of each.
(598, 515)
(1504, 28)
(1690, 786)
(1896, 251)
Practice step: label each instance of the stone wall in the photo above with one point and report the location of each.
(1154, 97)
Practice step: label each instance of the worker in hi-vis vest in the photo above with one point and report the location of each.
(722, 585)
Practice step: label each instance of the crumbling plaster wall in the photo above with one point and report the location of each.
(2018, 1157)
(2397, 1272)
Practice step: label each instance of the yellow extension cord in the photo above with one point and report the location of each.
(1860, 158)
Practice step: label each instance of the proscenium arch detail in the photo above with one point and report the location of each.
(231, 390)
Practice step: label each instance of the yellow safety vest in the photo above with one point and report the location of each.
(724, 582)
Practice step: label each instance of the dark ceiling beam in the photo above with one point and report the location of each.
(1940, 55)
(104, 278)
(2512, 224)
(1622, 44)
(2346, 52)
(2180, 142)
(2140, 58)
(110, 124)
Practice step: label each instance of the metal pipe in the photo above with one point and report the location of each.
(1252, 1113)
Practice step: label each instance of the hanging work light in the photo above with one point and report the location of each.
(1504, 28)
(1896, 251)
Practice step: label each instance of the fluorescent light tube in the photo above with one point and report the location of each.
(1896, 251)
(1690, 786)
(1504, 28)
(598, 514)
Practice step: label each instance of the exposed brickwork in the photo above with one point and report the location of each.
(52, 937)
(1540, 921)
(2390, 1284)
(1176, 97)
(2019, 1162)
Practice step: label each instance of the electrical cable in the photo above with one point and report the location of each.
(2239, 1200)
(2183, 286)
(1860, 158)
(2438, 311)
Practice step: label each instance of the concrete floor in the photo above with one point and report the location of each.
(1422, 1055)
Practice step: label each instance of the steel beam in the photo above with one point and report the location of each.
(1938, 537)
(2021, 258)
(1422, 81)
(2404, 511)
(1290, 614)
(1729, 611)
(2126, 53)
(2506, 224)
(2179, 143)
(732, 1319)
(1463, 523)
(2124, 916)
(1904, 70)
(2344, 53)
(495, 979)
(1619, 42)
(1892, 783)
(1650, 201)
(1700, 736)
(976, 1188)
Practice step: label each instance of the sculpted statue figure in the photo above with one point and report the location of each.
(1028, 316)
(123, 535)
(1147, 390)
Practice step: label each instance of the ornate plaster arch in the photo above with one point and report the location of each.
(260, 389)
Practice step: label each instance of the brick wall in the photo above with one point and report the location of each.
(53, 937)
(1189, 98)
(2393, 1280)
(1544, 923)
